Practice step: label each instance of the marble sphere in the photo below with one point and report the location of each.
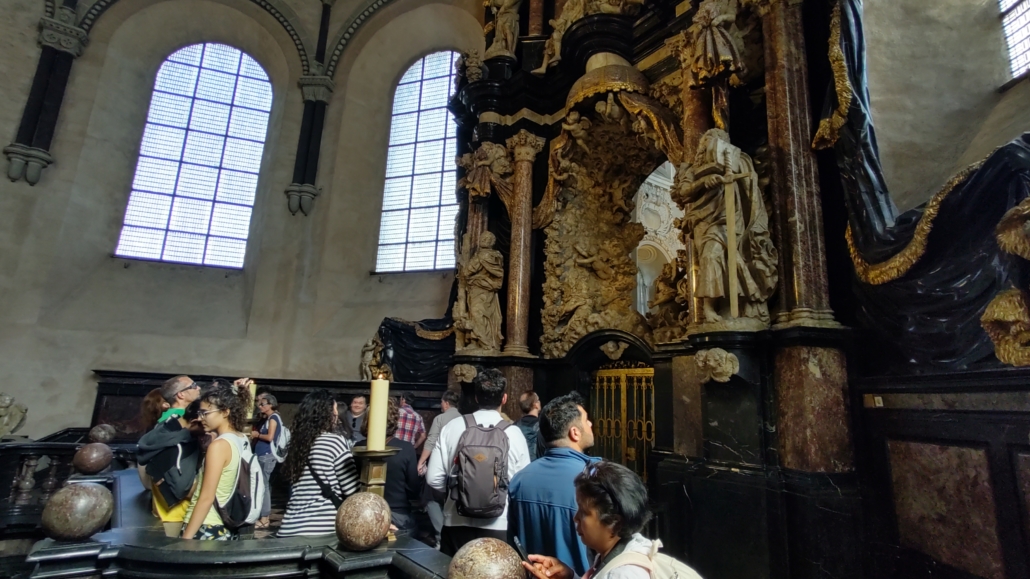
(363, 521)
(93, 458)
(77, 511)
(102, 433)
(486, 558)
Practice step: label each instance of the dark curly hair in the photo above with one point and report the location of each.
(618, 495)
(314, 418)
(224, 396)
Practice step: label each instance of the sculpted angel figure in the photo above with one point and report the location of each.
(485, 169)
(505, 27)
(721, 169)
(597, 262)
(577, 126)
(482, 276)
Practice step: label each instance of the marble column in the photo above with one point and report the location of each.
(804, 292)
(536, 17)
(524, 146)
(810, 375)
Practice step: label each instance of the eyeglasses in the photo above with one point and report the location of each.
(263, 403)
(202, 414)
(190, 387)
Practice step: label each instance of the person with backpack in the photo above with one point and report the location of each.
(473, 461)
(542, 498)
(320, 467)
(223, 411)
(269, 435)
(613, 509)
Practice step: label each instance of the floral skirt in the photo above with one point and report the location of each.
(212, 533)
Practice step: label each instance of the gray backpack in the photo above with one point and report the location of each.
(479, 476)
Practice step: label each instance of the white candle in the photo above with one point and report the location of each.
(377, 414)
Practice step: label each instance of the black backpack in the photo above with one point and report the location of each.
(479, 476)
(244, 504)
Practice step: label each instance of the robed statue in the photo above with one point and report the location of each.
(722, 179)
(477, 315)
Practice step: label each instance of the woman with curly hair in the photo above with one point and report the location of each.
(223, 411)
(320, 466)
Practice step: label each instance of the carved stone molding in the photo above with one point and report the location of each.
(716, 365)
(316, 88)
(61, 33)
(302, 198)
(525, 146)
(27, 162)
(278, 9)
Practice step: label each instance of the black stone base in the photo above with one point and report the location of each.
(759, 523)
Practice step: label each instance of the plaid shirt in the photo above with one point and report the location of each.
(409, 424)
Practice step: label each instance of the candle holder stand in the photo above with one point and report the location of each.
(373, 470)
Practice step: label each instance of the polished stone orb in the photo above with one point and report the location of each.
(102, 433)
(77, 511)
(363, 521)
(486, 558)
(92, 458)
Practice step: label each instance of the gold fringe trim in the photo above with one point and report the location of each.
(1011, 232)
(424, 333)
(1007, 322)
(901, 262)
(829, 128)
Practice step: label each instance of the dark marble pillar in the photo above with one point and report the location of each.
(524, 146)
(804, 293)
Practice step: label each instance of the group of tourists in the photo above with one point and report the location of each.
(531, 483)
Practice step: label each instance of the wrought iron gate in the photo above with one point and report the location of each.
(622, 410)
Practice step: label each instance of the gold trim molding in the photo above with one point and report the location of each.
(829, 128)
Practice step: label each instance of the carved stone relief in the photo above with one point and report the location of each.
(12, 414)
(596, 165)
(614, 349)
(717, 365)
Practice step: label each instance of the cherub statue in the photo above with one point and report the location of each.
(611, 111)
(12, 415)
(618, 194)
(597, 262)
(367, 354)
(577, 126)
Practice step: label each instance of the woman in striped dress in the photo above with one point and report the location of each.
(320, 466)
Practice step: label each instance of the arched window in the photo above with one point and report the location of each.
(197, 172)
(1015, 20)
(419, 202)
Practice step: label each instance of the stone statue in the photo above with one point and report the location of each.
(577, 126)
(478, 317)
(12, 414)
(505, 27)
(367, 355)
(470, 65)
(716, 364)
(721, 169)
(715, 54)
(486, 169)
(571, 12)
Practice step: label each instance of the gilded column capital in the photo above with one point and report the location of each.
(525, 145)
(61, 33)
(316, 88)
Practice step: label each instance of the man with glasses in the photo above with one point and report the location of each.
(178, 392)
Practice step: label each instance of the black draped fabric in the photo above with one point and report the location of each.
(930, 316)
(414, 358)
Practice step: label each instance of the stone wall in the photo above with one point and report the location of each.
(934, 73)
(305, 301)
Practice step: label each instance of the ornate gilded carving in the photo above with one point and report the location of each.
(1007, 322)
(670, 305)
(899, 264)
(611, 78)
(367, 355)
(1013, 231)
(720, 182)
(486, 169)
(505, 27)
(668, 91)
(829, 128)
(590, 278)
(377, 366)
(477, 311)
(717, 365)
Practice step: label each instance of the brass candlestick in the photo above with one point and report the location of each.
(373, 470)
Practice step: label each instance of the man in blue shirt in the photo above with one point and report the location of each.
(542, 496)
